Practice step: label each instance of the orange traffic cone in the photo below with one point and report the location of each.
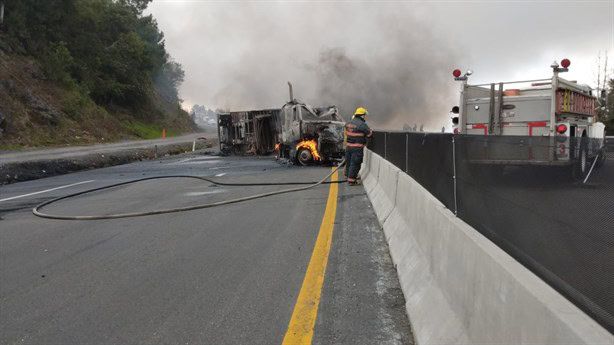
(163, 133)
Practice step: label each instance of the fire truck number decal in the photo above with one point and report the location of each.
(562, 149)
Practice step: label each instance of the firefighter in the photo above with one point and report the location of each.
(356, 132)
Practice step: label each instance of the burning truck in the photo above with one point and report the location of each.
(296, 131)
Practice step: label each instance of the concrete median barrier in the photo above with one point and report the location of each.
(372, 168)
(459, 287)
(364, 167)
(383, 194)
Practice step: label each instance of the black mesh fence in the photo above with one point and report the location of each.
(548, 202)
(426, 157)
(378, 143)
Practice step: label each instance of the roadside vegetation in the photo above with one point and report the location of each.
(604, 82)
(85, 71)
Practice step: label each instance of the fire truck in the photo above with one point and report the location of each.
(548, 122)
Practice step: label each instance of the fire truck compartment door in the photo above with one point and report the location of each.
(525, 109)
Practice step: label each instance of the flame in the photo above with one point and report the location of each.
(312, 145)
(277, 147)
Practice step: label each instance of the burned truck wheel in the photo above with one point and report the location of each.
(304, 156)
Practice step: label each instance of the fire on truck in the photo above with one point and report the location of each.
(550, 122)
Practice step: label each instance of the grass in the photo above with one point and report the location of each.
(11, 147)
(146, 130)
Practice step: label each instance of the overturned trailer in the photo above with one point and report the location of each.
(296, 131)
(248, 132)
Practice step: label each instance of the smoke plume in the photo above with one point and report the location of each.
(394, 58)
(377, 57)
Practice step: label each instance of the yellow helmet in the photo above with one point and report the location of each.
(361, 111)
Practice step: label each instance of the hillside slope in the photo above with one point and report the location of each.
(67, 80)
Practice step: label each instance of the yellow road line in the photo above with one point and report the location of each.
(300, 329)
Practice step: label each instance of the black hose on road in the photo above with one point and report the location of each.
(37, 210)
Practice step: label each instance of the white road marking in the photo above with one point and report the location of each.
(46, 190)
(220, 174)
(194, 162)
(205, 193)
(198, 160)
(217, 168)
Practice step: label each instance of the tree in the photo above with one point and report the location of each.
(168, 80)
(106, 54)
(1, 12)
(609, 122)
(602, 80)
(57, 63)
(137, 5)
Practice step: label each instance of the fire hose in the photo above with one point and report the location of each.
(37, 210)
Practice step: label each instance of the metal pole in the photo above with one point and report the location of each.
(498, 119)
(553, 103)
(454, 177)
(462, 114)
(491, 110)
(590, 171)
(385, 143)
(1, 13)
(406, 153)
(517, 82)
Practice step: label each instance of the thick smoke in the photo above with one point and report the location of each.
(405, 87)
(386, 60)
(395, 58)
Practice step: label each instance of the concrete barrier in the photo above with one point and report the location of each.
(459, 287)
(372, 171)
(364, 168)
(383, 193)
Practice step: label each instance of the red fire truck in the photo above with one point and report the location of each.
(538, 122)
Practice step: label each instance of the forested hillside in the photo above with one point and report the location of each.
(80, 71)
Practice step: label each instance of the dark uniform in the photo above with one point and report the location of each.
(357, 132)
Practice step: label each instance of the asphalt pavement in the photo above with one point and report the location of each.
(224, 275)
(77, 151)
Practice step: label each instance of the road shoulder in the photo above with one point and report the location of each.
(12, 170)
(362, 302)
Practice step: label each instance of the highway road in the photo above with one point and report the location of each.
(76, 151)
(247, 273)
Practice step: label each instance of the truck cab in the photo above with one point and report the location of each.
(311, 134)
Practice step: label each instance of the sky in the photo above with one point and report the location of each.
(393, 57)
